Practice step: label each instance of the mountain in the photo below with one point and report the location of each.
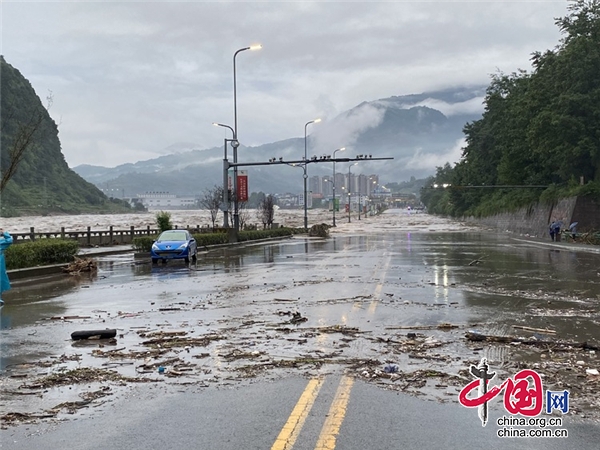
(420, 131)
(42, 181)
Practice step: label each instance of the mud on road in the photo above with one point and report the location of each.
(406, 302)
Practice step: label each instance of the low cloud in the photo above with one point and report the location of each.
(344, 130)
(472, 106)
(421, 160)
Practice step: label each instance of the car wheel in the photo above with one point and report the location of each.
(154, 260)
(194, 258)
(187, 260)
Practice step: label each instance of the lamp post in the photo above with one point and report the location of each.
(305, 175)
(370, 189)
(303, 166)
(235, 143)
(359, 195)
(334, 152)
(225, 170)
(350, 191)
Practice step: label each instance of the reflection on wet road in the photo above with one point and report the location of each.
(348, 302)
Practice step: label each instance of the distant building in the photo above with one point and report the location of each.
(164, 201)
(315, 185)
(287, 200)
(321, 187)
(327, 187)
(381, 191)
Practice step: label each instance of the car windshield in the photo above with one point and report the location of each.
(173, 236)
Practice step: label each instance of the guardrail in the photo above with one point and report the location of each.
(92, 238)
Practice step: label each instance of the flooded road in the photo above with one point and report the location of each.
(393, 291)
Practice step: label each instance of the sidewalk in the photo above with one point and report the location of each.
(571, 246)
(101, 251)
(39, 271)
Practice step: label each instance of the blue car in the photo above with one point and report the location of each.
(174, 244)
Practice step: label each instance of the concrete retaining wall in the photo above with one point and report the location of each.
(535, 219)
(587, 213)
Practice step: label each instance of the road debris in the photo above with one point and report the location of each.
(556, 344)
(78, 376)
(535, 330)
(319, 230)
(477, 261)
(67, 317)
(94, 334)
(81, 265)
(441, 326)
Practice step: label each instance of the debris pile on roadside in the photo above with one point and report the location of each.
(319, 230)
(81, 265)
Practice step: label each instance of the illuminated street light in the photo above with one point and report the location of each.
(235, 143)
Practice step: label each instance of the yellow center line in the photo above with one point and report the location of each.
(337, 412)
(290, 431)
(335, 417)
(379, 287)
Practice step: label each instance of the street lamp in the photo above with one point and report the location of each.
(235, 143)
(305, 175)
(225, 170)
(303, 166)
(370, 189)
(338, 150)
(359, 195)
(350, 191)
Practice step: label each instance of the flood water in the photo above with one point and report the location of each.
(379, 277)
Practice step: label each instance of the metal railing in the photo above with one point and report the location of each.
(91, 237)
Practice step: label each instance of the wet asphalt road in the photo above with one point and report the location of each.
(251, 418)
(376, 282)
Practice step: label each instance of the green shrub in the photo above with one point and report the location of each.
(163, 220)
(591, 189)
(204, 239)
(263, 234)
(143, 243)
(41, 253)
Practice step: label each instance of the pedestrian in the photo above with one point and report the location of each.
(557, 226)
(551, 229)
(573, 229)
(5, 241)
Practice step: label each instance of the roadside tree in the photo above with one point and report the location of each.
(212, 201)
(266, 211)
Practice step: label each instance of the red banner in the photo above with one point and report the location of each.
(242, 185)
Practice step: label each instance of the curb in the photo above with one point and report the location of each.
(569, 246)
(53, 269)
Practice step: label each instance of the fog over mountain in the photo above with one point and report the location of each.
(421, 132)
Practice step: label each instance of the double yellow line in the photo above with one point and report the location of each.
(331, 428)
(337, 412)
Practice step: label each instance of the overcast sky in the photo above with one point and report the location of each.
(130, 79)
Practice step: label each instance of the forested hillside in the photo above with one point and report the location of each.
(42, 181)
(539, 129)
